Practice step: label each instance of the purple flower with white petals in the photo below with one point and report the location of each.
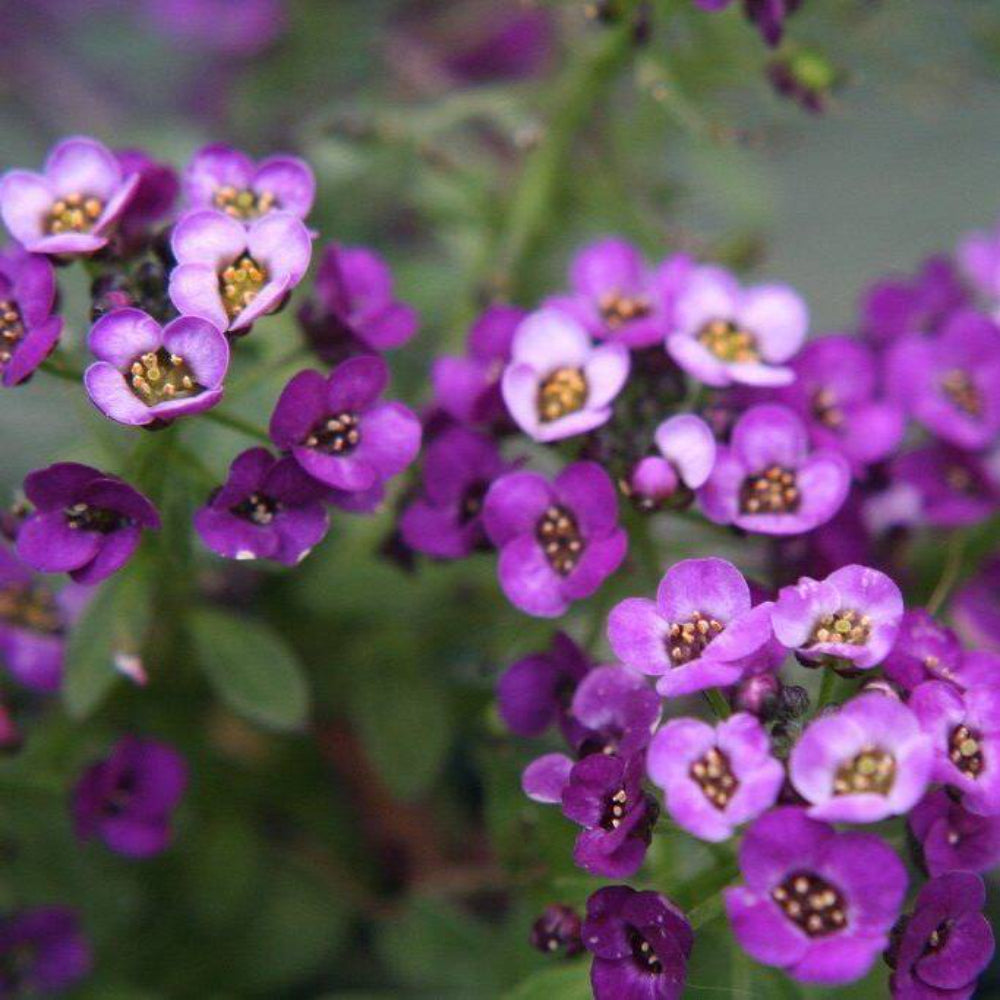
(951, 488)
(558, 384)
(701, 631)
(338, 429)
(975, 608)
(641, 943)
(42, 951)
(769, 481)
(724, 334)
(86, 523)
(147, 374)
(715, 779)
(128, 799)
(558, 541)
(942, 947)
(231, 274)
(869, 760)
(816, 903)
(686, 448)
(28, 329)
(953, 839)
(74, 205)
(154, 194)
(924, 650)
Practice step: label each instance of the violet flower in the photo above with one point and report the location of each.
(924, 650)
(28, 329)
(615, 710)
(513, 44)
(235, 28)
(557, 931)
(42, 951)
(951, 488)
(155, 192)
(975, 608)
(978, 256)
(686, 447)
(953, 839)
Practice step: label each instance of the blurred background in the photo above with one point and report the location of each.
(385, 850)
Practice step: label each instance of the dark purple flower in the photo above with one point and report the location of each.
(146, 373)
(943, 946)
(975, 608)
(767, 479)
(816, 903)
(557, 930)
(154, 195)
(128, 799)
(767, 15)
(616, 711)
(73, 205)
(558, 541)
(641, 943)
(238, 28)
(28, 330)
(510, 45)
(953, 839)
(42, 951)
(86, 523)
(267, 509)
(945, 487)
(231, 274)
(924, 650)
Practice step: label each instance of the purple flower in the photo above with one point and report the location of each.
(155, 192)
(715, 779)
(615, 296)
(924, 650)
(975, 608)
(869, 760)
(446, 520)
(687, 453)
(641, 943)
(73, 205)
(699, 633)
(340, 432)
(267, 509)
(724, 334)
(615, 711)
(767, 479)
(978, 256)
(148, 374)
(767, 15)
(86, 523)
(557, 930)
(512, 45)
(128, 799)
(558, 541)
(943, 946)
(557, 383)
(953, 839)
(950, 488)
(237, 28)
(817, 903)
(230, 274)
(28, 330)
(42, 951)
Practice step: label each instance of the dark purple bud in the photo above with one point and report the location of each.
(760, 696)
(557, 931)
(793, 702)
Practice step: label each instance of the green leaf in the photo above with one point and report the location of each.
(252, 668)
(569, 981)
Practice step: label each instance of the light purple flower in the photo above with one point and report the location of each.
(724, 334)
(230, 274)
(557, 383)
(951, 488)
(816, 903)
(715, 779)
(236, 28)
(558, 541)
(43, 951)
(978, 255)
(687, 445)
(28, 329)
(953, 839)
(975, 608)
(146, 373)
(924, 650)
(73, 205)
(767, 480)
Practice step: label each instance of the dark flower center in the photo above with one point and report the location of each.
(242, 203)
(73, 213)
(826, 410)
(617, 309)
(118, 799)
(339, 434)
(643, 954)
(614, 810)
(159, 376)
(770, 491)
(811, 903)
(845, 626)
(561, 393)
(715, 777)
(560, 538)
(31, 608)
(11, 330)
(961, 480)
(471, 504)
(729, 342)
(17, 963)
(83, 517)
(965, 750)
(686, 641)
(938, 938)
(257, 509)
(962, 391)
(872, 770)
(239, 283)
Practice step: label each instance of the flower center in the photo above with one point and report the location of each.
(729, 342)
(771, 491)
(961, 480)
(617, 309)
(561, 393)
(240, 283)
(714, 775)
(962, 391)
(30, 608)
(73, 213)
(560, 538)
(472, 501)
(826, 410)
(812, 903)
(336, 435)
(159, 376)
(83, 517)
(938, 937)
(257, 508)
(843, 626)
(615, 809)
(643, 954)
(686, 641)
(243, 203)
(966, 751)
(872, 770)
(11, 330)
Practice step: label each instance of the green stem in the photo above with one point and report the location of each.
(949, 574)
(717, 702)
(237, 424)
(827, 687)
(60, 370)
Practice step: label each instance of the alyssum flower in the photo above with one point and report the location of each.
(28, 329)
(42, 951)
(686, 456)
(953, 839)
(923, 650)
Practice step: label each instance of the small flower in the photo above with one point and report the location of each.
(230, 274)
(943, 946)
(867, 761)
(267, 509)
(817, 903)
(616, 711)
(148, 374)
(128, 799)
(975, 608)
(42, 951)
(715, 779)
(558, 541)
(978, 256)
(557, 930)
(28, 330)
(155, 192)
(699, 633)
(86, 523)
(950, 488)
(489, 46)
(557, 383)
(687, 447)
(224, 27)
(767, 480)
(953, 839)
(725, 335)
(924, 650)
(340, 432)
(73, 205)
(641, 943)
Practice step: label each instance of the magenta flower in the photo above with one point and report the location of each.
(975, 608)
(950, 488)
(767, 480)
(615, 711)
(73, 206)
(816, 903)
(724, 334)
(715, 779)
(953, 839)
(43, 951)
(699, 633)
(558, 541)
(148, 374)
(924, 650)
(28, 329)
(340, 432)
(230, 274)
